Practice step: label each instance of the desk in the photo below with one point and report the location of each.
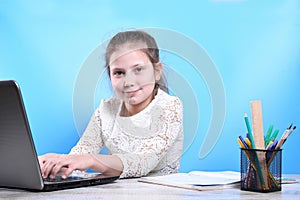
(132, 189)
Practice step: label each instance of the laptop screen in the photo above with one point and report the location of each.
(19, 166)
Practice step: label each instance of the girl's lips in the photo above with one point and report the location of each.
(132, 92)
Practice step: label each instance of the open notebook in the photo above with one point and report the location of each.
(197, 180)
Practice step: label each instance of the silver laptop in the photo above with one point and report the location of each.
(19, 166)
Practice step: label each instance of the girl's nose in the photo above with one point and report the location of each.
(129, 80)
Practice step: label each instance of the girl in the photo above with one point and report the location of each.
(142, 126)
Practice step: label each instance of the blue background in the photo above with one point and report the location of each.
(255, 46)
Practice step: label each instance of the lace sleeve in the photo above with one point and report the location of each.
(91, 140)
(152, 150)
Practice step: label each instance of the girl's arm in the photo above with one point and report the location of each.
(53, 164)
(80, 157)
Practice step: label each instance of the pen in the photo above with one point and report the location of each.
(274, 135)
(268, 147)
(249, 131)
(268, 136)
(243, 141)
(247, 135)
(283, 137)
(273, 145)
(291, 131)
(248, 143)
(288, 134)
(282, 140)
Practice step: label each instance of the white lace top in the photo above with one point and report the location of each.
(149, 142)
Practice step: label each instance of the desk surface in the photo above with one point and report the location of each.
(132, 189)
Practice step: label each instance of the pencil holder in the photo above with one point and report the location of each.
(261, 170)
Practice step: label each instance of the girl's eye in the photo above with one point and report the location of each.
(138, 69)
(118, 73)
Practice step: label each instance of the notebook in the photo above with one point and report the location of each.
(19, 166)
(197, 180)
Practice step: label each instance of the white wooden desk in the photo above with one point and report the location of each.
(132, 189)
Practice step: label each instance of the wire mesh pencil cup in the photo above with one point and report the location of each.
(252, 161)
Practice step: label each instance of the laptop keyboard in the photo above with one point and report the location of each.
(60, 179)
(75, 176)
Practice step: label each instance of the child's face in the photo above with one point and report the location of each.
(133, 78)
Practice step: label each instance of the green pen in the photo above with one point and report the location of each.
(274, 135)
(249, 131)
(267, 137)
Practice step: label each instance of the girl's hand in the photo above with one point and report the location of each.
(54, 164)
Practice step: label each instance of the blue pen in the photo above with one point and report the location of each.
(268, 146)
(244, 142)
(273, 145)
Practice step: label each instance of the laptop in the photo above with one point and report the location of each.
(19, 165)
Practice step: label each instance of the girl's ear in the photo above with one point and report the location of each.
(158, 71)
